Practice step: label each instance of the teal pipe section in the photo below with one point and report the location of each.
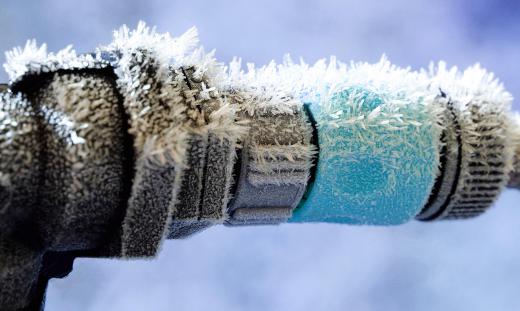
(378, 158)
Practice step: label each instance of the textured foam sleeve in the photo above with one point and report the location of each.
(378, 158)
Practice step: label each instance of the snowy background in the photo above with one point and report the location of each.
(466, 265)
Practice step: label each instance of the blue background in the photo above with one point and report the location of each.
(461, 265)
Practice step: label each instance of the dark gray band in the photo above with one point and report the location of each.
(273, 171)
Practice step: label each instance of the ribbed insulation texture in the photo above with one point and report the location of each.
(480, 142)
(107, 154)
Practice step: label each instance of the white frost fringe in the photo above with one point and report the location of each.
(34, 59)
(275, 87)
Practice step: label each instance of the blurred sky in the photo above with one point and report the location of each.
(464, 265)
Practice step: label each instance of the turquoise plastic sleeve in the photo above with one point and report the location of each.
(378, 158)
